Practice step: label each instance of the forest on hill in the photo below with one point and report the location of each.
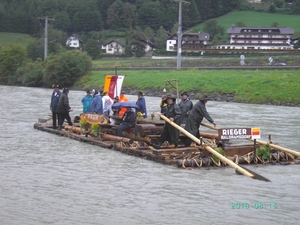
(77, 16)
(98, 21)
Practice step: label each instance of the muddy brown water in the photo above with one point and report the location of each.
(48, 179)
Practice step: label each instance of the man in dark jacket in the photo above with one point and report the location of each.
(141, 103)
(128, 121)
(54, 103)
(64, 108)
(96, 105)
(170, 133)
(186, 106)
(195, 118)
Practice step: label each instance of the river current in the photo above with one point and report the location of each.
(49, 179)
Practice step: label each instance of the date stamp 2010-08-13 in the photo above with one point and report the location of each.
(254, 205)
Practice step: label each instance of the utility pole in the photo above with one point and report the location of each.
(46, 35)
(179, 33)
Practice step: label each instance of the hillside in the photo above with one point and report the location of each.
(14, 38)
(256, 19)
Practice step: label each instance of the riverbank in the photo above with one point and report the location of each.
(270, 87)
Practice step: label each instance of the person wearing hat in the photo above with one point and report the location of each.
(186, 106)
(170, 133)
(141, 103)
(86, 101)
(54, 103)
(195, 118)
(96, 105)
(163, 104)
(63, 109)
(128, 121)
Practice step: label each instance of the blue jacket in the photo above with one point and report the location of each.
(96, 105)
(54, 101)
(86, 102)
(141, 103)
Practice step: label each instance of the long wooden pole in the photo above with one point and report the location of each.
(241, 170)
(209, 126)
(277, 147)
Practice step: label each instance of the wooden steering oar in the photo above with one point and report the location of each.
(238, 168)
(292, 152)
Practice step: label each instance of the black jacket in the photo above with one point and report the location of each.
(129, 118)
(54, 101)
(170, 133)
(185, 106)
(63, 104)
(199, 112)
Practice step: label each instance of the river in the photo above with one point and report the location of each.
(49, 179)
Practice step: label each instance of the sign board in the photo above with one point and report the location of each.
(94, 118)
(238, 133)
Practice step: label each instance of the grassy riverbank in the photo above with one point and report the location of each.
(280, 87)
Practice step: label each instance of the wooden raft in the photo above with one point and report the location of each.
(138, 142)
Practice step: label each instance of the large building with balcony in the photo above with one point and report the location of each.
(190, 42)
(260, 37)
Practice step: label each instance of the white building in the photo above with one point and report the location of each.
(259, 38)
(74, 41)
(192, 42)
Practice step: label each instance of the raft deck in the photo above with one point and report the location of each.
(138, 142)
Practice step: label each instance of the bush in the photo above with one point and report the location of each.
(66, 68)
(11, 58)
(31, 75)
(263, 152)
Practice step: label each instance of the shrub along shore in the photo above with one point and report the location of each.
(276, 87)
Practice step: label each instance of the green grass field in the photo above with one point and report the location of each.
(256, 19)
(259, 86)
(14, 38)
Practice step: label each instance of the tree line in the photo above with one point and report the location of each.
(77, 16)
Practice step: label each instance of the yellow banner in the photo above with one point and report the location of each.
(107, 83)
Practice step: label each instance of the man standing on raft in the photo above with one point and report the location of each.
(195, 118)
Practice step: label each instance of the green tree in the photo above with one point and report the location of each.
(192, 16)
(62, 22)
(67, 67)
(275, 24)
(212, 27)
(296, 6)
(136, 39)
(240, 23)
(11, 58)
(87, 21)
(128, 15)
(35, 49)
(149, 33)
(279, 3)
(151, 14)
(31, 74)
(114, 14)
(174, 28)
(297, 45)
(92, 47)
(161, 38)
(272, 9)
